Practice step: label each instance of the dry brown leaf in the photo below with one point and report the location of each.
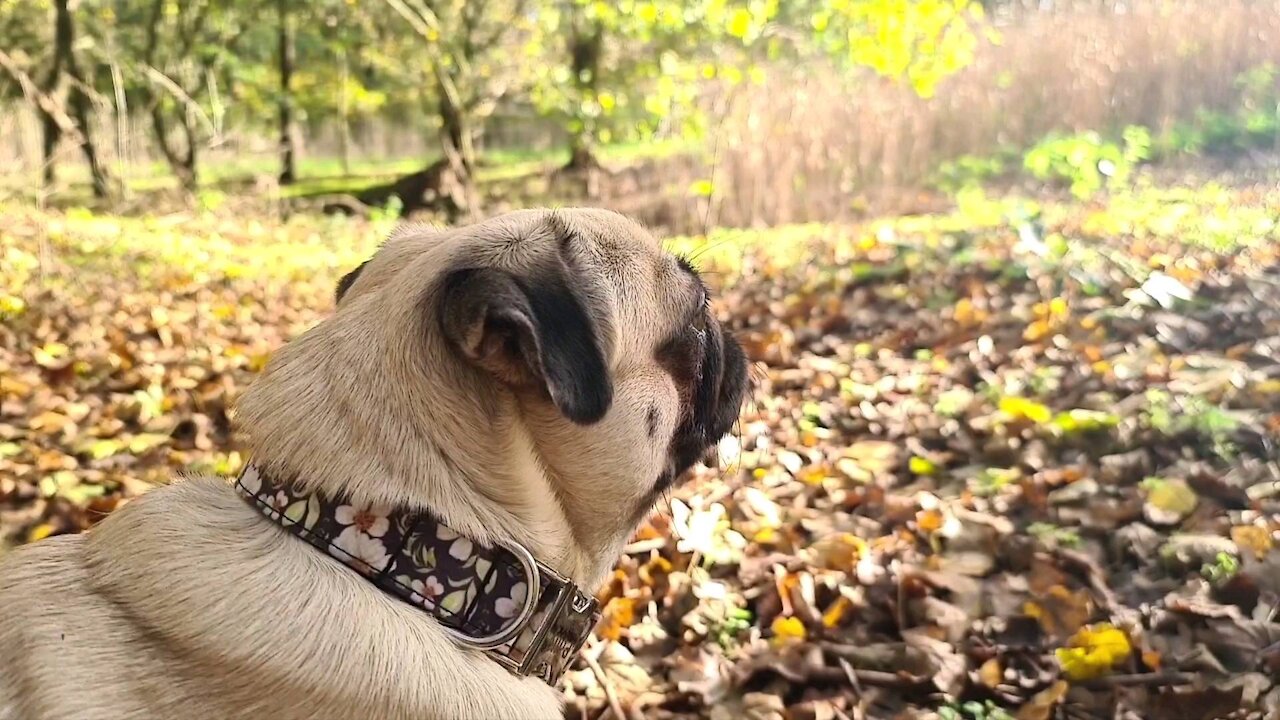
(1041, 705)
(1061, 611)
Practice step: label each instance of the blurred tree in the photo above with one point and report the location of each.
(920, 41)
(469, 46)
(621, 70)
(176, 53)
(605, 71)
(67, 80)
(288, 131)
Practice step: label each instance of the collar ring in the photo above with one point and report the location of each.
(512, 631)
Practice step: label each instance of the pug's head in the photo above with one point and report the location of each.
(541, 377)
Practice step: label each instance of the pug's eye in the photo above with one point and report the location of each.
(699, 321)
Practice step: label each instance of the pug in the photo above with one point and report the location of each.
(440, 475)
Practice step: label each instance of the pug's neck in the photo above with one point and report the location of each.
(465, 458)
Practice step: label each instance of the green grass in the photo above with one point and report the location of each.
(319, 176)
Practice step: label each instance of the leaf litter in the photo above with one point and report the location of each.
(975, 480)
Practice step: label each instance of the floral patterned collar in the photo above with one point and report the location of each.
(480, 595)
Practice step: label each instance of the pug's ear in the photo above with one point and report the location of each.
(529, 332)
(347, 281)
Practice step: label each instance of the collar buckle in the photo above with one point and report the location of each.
(554, 634)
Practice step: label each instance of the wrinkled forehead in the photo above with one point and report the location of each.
(614, 257)
(628, 257)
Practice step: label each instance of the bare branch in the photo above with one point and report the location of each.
(39, 98)
(176, 91)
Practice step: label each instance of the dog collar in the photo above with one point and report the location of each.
(499, 599)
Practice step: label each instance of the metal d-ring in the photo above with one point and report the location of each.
(488, 642)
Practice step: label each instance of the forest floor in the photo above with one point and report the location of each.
(1018, 460)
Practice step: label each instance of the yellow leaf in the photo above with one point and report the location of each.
(966, 315)
(1252, 537)
(788, 629)
(258, 361)
(765, 536)
(40, 532)
(51, 354)
(921, 466)
(1173, 496)
(104, 448)
(11, 305)
(14, 386)
(1037, 330)
(740, 23)
(835, 614)
(618, 615)
(50, 422)
(1093, 652)
(1024, 409)
(812, 475)
(990, 674)
(144, 442)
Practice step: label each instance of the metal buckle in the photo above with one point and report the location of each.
(567, 621)
(513, 631)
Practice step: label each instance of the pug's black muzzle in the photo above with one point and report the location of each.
(718, 390)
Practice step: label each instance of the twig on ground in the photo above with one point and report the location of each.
(593, 662)
(640, 547)
(636, 711)
(1147, 679)
(858, 696)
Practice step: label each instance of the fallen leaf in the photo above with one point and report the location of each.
(1252, 538)
(617, 616)
(1041, 705)
(1093, 652)
(40, 532)
(1168, 501)
(921, 466)
(990, 674)
(787, 630)
(1018, 408)
(1061, 611)
(835, 614)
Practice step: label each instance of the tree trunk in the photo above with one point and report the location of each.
(51, 131)
(64, 62)
(344, 114)
(456, 131)
(582, 153)
(183, 164)
(457, 141)
(80, 110)
(288, 136)
(585, 46)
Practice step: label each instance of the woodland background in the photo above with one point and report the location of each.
(1009, 270)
